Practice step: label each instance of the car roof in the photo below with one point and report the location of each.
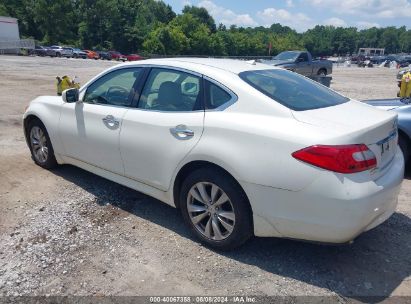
(200, 64)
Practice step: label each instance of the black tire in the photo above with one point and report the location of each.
(58, 55)
(50, 161)
(75, 56)
(322, 72)
(243, 227)
(403, 143)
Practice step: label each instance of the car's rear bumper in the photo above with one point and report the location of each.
(333, 209)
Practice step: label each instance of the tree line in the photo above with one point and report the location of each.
(152, 27)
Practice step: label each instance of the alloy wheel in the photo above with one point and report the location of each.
(210, 211)
(38, 142)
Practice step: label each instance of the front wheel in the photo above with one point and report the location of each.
(40, 145)
(216, 209)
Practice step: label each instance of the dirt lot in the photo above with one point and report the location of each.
(66, 231)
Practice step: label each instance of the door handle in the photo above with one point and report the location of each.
(182, 132)
(111, 122)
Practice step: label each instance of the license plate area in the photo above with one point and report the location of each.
(387, 148)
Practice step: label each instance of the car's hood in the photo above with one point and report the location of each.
(385, 104)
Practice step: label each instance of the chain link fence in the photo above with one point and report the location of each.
(14, 46)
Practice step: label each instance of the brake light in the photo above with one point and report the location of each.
(342, 159)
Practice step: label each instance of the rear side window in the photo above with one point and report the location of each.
(292, 90)
(303, 57)
(215, 95)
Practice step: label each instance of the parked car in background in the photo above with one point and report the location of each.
(38, 51)
(378, 59)
(50, 51)
(133, 57)
(91, 54)
(404, 61)
(366, 63)
(77, 53)
(302, 63)
(357, 58)
(240, 147)
(59, 51)
(403, 109)
(103, 55)
(117, 56)
(67, 52)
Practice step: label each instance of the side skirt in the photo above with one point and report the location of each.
(165, 197)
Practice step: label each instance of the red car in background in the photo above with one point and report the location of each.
(133, 57)
(117, 56)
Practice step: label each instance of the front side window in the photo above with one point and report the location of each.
(292, 90)
(114, 88)
(171, 91)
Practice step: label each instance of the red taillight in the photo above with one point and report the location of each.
(342, 159)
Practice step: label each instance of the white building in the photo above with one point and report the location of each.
(9, 29)
(9, 35)
(371, 51)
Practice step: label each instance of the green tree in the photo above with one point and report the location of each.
(390, 40)
(202, 15)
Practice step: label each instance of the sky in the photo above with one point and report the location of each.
(304, 14)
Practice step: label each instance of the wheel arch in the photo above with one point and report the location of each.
(404, 135)
(26, 122)
(322, 69)
(195, 165)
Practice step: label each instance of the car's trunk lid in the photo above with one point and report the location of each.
(385, 104)
(356, 123)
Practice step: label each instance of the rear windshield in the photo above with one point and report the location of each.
(290, 55)
(292, 90)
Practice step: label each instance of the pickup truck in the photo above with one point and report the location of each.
(302, 63)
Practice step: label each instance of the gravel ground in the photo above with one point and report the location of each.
(69, 232)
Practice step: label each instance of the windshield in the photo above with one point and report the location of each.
(289, 56)
(292, 90)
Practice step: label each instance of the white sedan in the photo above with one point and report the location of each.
(241, 148)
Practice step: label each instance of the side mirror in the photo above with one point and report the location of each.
(190, 88)
(70, 95)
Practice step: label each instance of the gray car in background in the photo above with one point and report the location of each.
(403, 108)
(77, 53)
(302, 63)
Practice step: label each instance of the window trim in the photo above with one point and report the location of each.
(225, 105)
(165, 67)
(131, 96)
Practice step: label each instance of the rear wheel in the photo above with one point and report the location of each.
(40, 145)
(322, 72)
(216, 209)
